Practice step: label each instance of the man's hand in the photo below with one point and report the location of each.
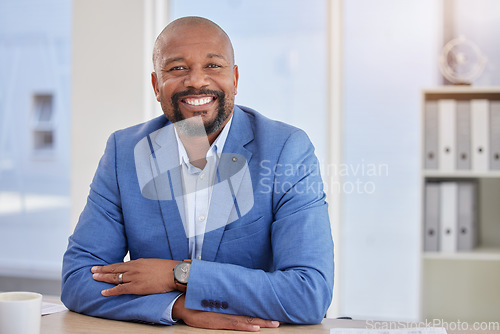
(211, 320)
(139, 277)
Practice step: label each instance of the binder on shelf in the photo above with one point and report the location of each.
(463, 135)
(431, 135)
(431, 218)
(480, 136)
(447, 134)
(495, 135)
(467, 216)
(448, 217)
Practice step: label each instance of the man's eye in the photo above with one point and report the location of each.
(213, 66)
(176, 68)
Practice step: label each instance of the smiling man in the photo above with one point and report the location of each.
(222, 210)
(195, 74)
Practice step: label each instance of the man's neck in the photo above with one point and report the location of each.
(197, 147)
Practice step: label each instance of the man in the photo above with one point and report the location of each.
(223, 213)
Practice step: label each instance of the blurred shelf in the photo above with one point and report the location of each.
(478, 254)
(460, 174)
(462, 284)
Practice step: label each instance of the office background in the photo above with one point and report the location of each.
(350, 73)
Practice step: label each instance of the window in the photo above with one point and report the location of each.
(281, 49)
(43, 127)
(34, 142)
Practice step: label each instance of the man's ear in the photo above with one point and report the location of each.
(154, 82)
(236, 76)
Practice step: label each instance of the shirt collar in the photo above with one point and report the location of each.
(217, 145)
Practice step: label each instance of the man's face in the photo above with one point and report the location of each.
(196, 76)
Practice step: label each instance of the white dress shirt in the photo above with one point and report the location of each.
(197, 189)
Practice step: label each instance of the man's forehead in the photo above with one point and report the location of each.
(200, 49)
(194, 34)
(193, 37)
(183, 46)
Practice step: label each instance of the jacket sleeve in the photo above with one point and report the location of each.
(299, 289)
(99, 239)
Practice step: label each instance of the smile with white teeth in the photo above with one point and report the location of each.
(198, 102)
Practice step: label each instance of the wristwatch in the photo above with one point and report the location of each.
(181, 273)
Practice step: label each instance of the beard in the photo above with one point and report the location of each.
(224, 110)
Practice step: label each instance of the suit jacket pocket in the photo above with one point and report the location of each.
(236, 231)
(247, 245)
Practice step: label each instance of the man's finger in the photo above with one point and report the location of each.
(110, 268)
(233, 322)
(263, 323)
(240, 323)
(120, 289)
(110, 278)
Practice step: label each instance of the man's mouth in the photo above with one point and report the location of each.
(198, 101)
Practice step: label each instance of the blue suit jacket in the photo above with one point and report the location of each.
(274, 262)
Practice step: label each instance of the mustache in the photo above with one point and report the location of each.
(178, 95)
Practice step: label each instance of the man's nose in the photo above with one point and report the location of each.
(196, 78)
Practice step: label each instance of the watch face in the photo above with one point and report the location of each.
(181, 272)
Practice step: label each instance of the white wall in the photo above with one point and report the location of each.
(107, 85)
(390, 53)
(479, 22)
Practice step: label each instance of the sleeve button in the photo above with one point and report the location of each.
(204, 303)
(224, 305)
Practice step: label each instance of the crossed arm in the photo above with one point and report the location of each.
(154, 276)
(297, 291)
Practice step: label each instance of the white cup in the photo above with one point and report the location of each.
(20, 312)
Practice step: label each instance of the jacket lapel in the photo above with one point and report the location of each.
(164, 163)
(232, 174)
